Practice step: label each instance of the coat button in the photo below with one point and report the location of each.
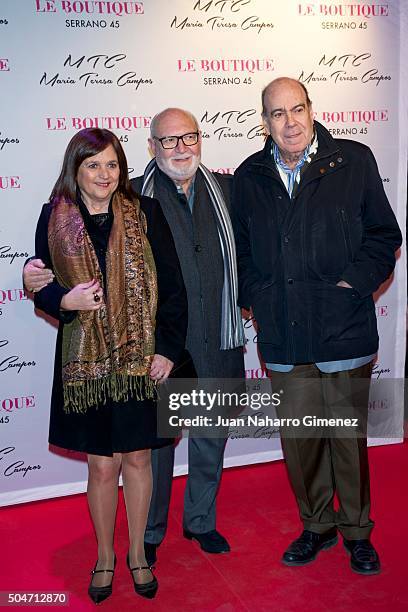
(197, 248)
(286, 239)
(332, 164)
(339, 159)
(293, 323)
(290, 281)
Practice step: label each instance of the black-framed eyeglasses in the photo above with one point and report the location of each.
(171, 142)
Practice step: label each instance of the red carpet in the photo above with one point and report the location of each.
(49, 546)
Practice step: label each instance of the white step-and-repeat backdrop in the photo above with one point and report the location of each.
(69, 64)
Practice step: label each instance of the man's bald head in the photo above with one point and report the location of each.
(288, 117)
(181, 162)
(282, 81)
(174, 115)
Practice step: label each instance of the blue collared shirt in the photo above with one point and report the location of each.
(328, 367)
(191, 193)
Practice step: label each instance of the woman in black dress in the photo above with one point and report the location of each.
(120, 300)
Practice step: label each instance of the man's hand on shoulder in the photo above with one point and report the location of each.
(36, 276)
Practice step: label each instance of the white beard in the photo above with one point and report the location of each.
(176, 173)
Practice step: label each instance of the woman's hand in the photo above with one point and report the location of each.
(160, 368)
(36, 276)
(85, 296)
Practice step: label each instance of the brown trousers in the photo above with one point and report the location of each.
(331, 461)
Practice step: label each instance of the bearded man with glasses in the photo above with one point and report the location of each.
(196, 204)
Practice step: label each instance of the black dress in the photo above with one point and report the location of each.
(116, 426)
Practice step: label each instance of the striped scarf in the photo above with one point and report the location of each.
(232, 333)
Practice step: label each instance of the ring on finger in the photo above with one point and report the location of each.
(97, 297)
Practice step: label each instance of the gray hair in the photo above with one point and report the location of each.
(158, 116)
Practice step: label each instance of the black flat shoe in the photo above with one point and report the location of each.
(211, 541)
(306, 548)
(150, 553)
(146, 589)
(363, 557)
(98, 594)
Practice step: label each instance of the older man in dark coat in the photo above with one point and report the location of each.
(196, 205)
(316, 237)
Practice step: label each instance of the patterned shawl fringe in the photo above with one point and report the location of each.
(107, 353)
(79, 396)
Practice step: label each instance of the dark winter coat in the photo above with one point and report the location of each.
(197, 244)
(291, 253)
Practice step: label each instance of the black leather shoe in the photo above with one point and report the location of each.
(363, 557)
(98, 594)
(150, 552)
(211, 542)
(307, 547)
(145, 589)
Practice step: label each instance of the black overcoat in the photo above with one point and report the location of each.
(196, 239)
(292, 252)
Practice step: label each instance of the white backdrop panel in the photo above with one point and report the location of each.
(65, 65)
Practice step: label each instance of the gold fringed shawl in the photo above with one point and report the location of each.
(106, 353)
